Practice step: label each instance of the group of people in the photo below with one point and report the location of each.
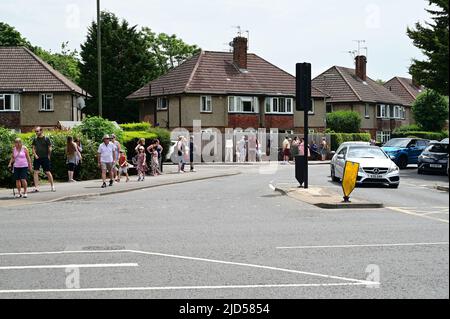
(183, 154)
(298, 144)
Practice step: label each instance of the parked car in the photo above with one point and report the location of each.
(376, 167)
(445, 140)
(434, 159)
(345, 144)
(405, 151)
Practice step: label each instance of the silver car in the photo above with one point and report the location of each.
(376, 167)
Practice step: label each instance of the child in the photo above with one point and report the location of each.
(154, 163)
(141, 164)
(123, 166)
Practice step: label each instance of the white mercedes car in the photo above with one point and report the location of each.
(376, 167)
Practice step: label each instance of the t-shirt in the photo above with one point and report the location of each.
(106, 152)
(41, 145)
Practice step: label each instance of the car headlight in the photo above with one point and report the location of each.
(424, 157)
(393, 169)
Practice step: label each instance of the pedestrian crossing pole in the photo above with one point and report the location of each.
(304, 103)
(99, 61)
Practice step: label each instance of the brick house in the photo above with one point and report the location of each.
(226, 90)
(351, 89)
(405, 88)
(33, 94)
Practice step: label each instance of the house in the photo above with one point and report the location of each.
(33, 94)
(405, 88)
(351, 89)
(227, 90)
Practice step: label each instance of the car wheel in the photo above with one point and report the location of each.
(403, 162)
(394, 185)
(333, 175)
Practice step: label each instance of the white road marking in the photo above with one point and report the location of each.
(69, 266)
(406, 211)
(366, 245)
(186, 288)
(64, 252)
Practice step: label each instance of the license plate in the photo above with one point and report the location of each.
(435, 165)
(376, 176)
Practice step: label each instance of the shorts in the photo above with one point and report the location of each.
(20, 173)
(287, 152)
(71, 167)
(107, 166)
(123, 170)
(43, 162)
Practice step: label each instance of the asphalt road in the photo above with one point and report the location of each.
(230, 237)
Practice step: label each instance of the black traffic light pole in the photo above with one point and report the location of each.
(303, 103)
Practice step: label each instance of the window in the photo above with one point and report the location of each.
(279, 105)
(46, 103)
(206, 104)
(383, 136)
(403, 113)
(242, 104)
(367, 111)
(329, 108)
(9, 102)
(382, 111)
(313, 107)
(162, 103)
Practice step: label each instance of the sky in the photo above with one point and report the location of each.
(283, 32)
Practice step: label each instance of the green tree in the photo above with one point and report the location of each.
(432, 39)
(344, 122)
(430, 110)
(9, 36)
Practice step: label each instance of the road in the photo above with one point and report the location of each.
(230, 237)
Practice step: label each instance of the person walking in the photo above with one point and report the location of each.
(42, 150)
(106, 160)
(140, 143)
(180, 149)
(323, 149)
(21, 163)
(242, 151)
(72, 155)
(117, 148)
(301, 148)
(191, 153)
(154, 163)
(141, 164)
(159, 149)
(77, 171)
(123, 166)
(229, 150)
(286, 150)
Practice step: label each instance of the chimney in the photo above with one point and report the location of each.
(240, 47)
(361, 67)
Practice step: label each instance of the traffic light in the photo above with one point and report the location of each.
(303, 87)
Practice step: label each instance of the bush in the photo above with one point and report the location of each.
(6, 143)
(344, 121)
(430, 110)
(407, 128)
(338, 138)
(134, 136)
(96, 127)
(421, 134)
(129, 127)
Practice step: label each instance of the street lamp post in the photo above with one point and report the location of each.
(99, 60)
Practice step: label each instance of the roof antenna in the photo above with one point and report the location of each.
(367, 51)
(360, 42)
(248, 39)
(239, 30)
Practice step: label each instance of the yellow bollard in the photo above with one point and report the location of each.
(349, 179)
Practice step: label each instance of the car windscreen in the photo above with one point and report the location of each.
(437, 148)
(397, 142)
(366, 152)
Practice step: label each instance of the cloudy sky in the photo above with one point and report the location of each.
(281, 31)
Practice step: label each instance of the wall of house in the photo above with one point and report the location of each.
(218, 118)
(316, 121)
(10, 119)
(31, 116)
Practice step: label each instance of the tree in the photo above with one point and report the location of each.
(9, 36)
(430, 110)
(344, 122)
(432, 40)
(130, 59)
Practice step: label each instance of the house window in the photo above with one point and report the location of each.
(313, 107)
(383, 136)
(46, 104)
(9, 102)
(403, 115)
(162, 103)
(329, 108)
(242, 104)
(366, 111)
(206, 104)
(382, 111)
(279, 105)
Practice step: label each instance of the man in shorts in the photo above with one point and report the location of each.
(106, 159)
(42, 151)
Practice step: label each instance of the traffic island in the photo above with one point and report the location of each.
(324, 197)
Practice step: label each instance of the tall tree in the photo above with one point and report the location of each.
(432, 39)
(126, 66)
(9, 36)
(430, 110)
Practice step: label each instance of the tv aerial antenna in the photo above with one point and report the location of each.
(360, 43)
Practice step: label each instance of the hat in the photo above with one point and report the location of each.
(106, 137)
(113, 135)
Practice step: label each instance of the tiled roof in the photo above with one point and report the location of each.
(404, 88)
(21, 69)
(214, 73)
(342, 85)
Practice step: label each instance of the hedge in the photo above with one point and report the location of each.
(6, 143)
(344, 121)
(95, 128)
(129, 127)
(420, 134)
(338, 138)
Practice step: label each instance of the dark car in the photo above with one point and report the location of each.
(434, 159)
(405, 151)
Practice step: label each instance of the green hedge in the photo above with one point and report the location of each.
(420, 134)
(6, 143)
(339, 138)
(95, 128)
(129, 127)
(344, 121)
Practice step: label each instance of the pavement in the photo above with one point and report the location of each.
(231, 237)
